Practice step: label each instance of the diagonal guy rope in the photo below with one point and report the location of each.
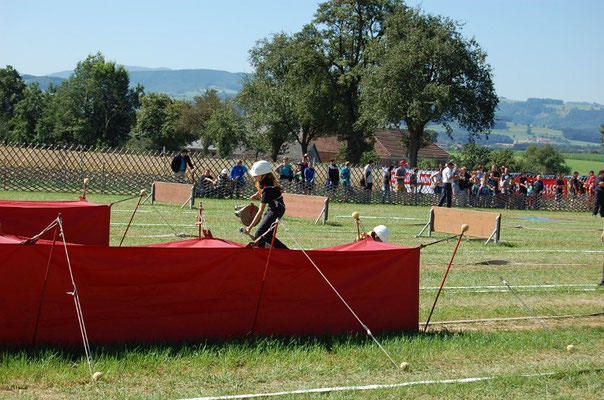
(340, 297)
(76, 300)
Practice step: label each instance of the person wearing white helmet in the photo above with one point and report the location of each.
(380, 233)
(224, 184)
(270, 194)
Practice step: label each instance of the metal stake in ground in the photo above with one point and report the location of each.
(464, 228)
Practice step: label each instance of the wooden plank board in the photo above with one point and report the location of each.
(299, 205)
(177, 193)
(449, 220)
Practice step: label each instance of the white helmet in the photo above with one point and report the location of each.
(224, 171)
(261, 168)
(382, 232)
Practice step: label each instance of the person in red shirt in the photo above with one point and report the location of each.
(589, 184)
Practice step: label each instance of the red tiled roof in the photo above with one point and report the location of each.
(387, 146)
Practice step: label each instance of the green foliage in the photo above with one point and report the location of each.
(28, 115)
(194, 117)
(95, 105)
(473, 155)
(428, 164)
(289, 96)
(12, 88)
(347, 28)
(369, 155)
(423, 70)
(226, 129)
(544, 160)
(505, 157)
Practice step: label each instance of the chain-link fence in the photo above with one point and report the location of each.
(124, 171)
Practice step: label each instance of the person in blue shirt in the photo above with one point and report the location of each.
(345, 179)
(309, 178)
(285, 171)
(238, 172)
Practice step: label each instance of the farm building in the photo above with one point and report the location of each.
(387, 145)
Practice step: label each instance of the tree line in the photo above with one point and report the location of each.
(359, 65)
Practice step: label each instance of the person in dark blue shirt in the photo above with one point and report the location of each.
(309, 178)
(179, 164)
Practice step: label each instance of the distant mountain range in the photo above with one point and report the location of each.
(519, 123)
(182, 83)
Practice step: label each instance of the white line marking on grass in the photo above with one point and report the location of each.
(129, 211)
(181, 225)
(486, 289)
(384, 217)
(363, 387)
(499, 250)
(473, 321)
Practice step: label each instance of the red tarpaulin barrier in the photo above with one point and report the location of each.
(206, 288)
(83, 222)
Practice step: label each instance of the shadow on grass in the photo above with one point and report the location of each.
(123, 350)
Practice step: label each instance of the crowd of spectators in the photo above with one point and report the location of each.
(490, 187)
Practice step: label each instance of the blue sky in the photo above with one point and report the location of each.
(537, 48)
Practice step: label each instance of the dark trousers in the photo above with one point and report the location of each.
(274, 211)
(599, 203)
(447, 195)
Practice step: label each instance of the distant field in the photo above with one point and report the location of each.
(518, 132)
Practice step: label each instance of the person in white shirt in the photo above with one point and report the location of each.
(449, 176)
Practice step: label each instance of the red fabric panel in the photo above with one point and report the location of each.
(83, 222)
(142, 294)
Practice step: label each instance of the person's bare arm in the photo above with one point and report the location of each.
(256, 218)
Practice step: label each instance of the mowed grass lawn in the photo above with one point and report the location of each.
(565, 252)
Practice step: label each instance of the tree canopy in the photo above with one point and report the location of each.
(423, 70)
(12, 88)
(289, 97)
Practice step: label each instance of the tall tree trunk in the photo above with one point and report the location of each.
(415, 135)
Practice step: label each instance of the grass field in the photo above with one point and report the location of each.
(565, 252)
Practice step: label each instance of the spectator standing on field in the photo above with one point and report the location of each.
(436, 180)
(560, 185)
(400, 174)
(333, 175)
(574, 189)
(367, 180)
(238, 172)
(448, 177)
(538, 188)
(179, 165)
(589, 184)
(599, 190)
(413, 184)
(309, 178)
(386, 176)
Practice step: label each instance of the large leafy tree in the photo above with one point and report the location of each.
(158, 123)
(195, 116)
(544, 160)
(289, 97)
(423, 70)
(226, 129)
(27, 123)
(472, 155)
(348, 27)
(95, 105)
(12, 88)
